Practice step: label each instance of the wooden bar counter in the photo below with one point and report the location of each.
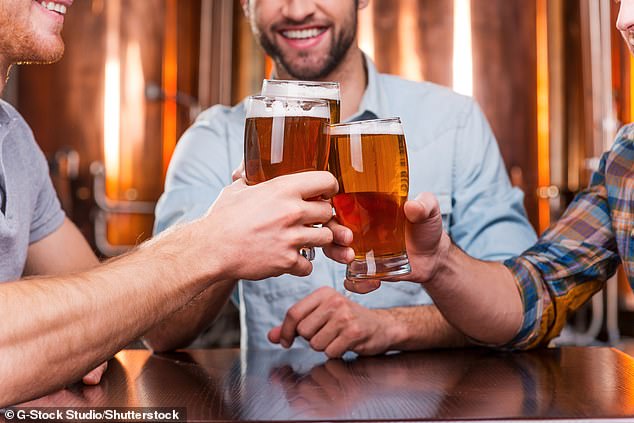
(589, 384)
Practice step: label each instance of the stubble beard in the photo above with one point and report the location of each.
(20, 43)
(303, 69)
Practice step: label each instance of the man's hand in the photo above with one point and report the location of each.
(334, 324)
(94, 376)
(425, 239)
(255, 232)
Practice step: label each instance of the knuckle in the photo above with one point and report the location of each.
(290, 259)
(293, 315)
(303, 331)
(361, 349)
(346, 317)
(325, 289)
(354, 332)
(327, 236)
(316, 345)
(338, 301)
(334, 352)
(326, 211)
(292, 214)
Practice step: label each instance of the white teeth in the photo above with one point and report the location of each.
(302, 33)
(54, 7)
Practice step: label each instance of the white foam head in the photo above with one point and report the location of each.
(369, 127)
(259, 106)
(302, 89)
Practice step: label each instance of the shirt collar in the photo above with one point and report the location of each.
(373, 103)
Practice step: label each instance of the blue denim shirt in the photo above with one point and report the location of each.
(452, 153)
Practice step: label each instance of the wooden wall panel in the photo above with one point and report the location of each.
(141, 158)
(386, 36)
(435, 40)
(64, 102)
(248, 64)
(505, 83)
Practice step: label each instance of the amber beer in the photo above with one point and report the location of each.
(284, 135)
(369, 160)
(328, 91)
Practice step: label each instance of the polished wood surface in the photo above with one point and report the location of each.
(301, 385)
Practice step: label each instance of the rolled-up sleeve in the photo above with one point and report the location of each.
(568, 265)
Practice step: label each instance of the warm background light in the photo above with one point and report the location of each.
(462, 48)
(112, 99)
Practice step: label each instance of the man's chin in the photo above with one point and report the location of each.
(307, 70)
(45, 54)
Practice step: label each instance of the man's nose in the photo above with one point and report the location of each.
(625, 20)
(298, 10)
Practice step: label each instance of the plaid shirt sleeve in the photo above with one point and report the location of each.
(570, 263)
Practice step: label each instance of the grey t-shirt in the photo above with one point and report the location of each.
(31, 208)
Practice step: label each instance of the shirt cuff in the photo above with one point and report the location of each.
(536, 302)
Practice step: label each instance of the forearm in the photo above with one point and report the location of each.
(421, 327)
(64, 326)
(479, 298)
(182, 327)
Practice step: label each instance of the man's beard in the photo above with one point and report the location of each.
(341, 43)
(21, 47)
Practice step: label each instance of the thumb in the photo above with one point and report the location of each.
(275, 334)
(425, 207)
(424, 228)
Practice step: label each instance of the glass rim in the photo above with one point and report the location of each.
(315, 101)
(367, 122)
(307, 83)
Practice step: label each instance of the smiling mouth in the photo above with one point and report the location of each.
(303, 34)
(53, 7)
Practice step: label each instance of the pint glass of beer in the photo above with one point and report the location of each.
(284, 135)
(369, 159)
(328, 91)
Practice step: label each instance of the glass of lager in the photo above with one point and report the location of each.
(369, 160)
(328, 91)
(285, 135)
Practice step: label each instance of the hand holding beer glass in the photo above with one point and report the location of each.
(369, 160)
(285, 135)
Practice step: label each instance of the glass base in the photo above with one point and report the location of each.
(378, 267)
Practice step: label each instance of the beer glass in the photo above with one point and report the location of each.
(306, 89)
(369, 160)
(284, 135)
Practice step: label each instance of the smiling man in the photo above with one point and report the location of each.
(55, 328)
(452, 153)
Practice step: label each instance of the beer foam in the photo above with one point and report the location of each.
(285, 107)
(368, 127)
(303, 89)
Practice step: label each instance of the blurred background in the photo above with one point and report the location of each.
(552, 76)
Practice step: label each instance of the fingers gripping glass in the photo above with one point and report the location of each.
(285, 135)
